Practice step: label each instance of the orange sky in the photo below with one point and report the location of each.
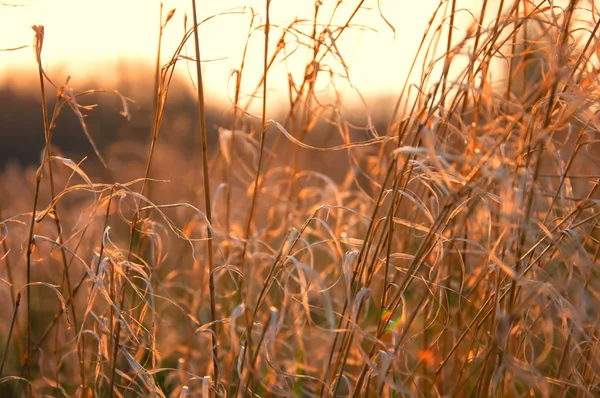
(87, 38)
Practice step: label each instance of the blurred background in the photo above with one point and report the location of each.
(112, 45)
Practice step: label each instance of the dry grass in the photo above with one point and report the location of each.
(453, 254)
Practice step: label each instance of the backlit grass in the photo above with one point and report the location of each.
(450, 250)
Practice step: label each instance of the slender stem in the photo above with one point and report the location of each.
(115, 353)
(28, 289)
(267, 28)
(207, 204)
(10, 332)
(13, 294)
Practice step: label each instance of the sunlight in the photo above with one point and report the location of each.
(89, 39)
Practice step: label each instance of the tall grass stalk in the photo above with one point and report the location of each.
(207, 204)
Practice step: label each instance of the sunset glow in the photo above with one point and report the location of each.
(88, 39)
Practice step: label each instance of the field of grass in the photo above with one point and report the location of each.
(448, 251)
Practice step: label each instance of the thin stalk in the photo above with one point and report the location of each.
(267, 283)
(48, 130)
(30, 246)
(449, 55)
(57, 224)
(13, 294)
(252, 366)
(155, 108)
(100, 255)
(328, 372)
(267, 29)
(234, 123)
(207, 204)
(10, 332)
(115, 353)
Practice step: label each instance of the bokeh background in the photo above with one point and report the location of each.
(112, 45)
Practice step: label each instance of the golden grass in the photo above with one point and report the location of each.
(453, 254)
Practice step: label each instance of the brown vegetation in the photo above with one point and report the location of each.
(452, 253)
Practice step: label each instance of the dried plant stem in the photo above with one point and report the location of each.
(155, 109)
(234, 123)
(207, 203)
(252, 367)
(48, 130)
(57, 224)
(47, 331)
(13, 293)
(267, 28)
(133, 236)
(28, 292)
(286, 247)
(101, 255)
(248, 344)
(10, 332)
(328, 372)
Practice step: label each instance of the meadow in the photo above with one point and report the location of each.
(446, 247)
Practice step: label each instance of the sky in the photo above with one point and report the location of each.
(91, 39)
